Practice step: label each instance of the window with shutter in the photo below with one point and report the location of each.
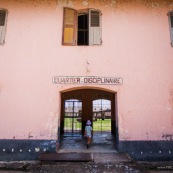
(94, 27)
(3, 14)
(81, 27)
(69, 28)
(171, 26)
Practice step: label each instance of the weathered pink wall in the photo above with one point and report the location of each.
(136, 46)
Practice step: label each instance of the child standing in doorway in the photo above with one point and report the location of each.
(88, 132)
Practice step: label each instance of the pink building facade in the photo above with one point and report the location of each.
(42, 58)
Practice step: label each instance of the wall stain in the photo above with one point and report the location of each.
(114, 4)
(171, 103)
(29, 135)
(125, 134)
(171, 98)
(167, 137)
(87, 67)
(159, 4)
(85, 2)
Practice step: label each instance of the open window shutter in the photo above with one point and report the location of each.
(69, 27)
(94, 27)
(2, 25)
(171, 27)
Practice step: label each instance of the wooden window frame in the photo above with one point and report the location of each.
(69, 26)
(3, 27)
(95, 40)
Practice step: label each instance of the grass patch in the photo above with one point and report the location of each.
(102, 125)
(68, 122)
(99, 125)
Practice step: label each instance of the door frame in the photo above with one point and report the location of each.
(92, 94)
(73, 130)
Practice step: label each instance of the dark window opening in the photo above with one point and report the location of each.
(2, 17)
(171, 20)
(170, 15)
(82, 29)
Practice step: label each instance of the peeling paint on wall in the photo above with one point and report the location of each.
(66, 3)
(168, 137)
(171, 98)
(171, 104)
(51, 126)
(87, 67)
(159, 4)
(29, 135)
(113, 4)
(85, 2)
(35, 2)
(125, 134)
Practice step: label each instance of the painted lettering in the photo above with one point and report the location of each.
(88, 80)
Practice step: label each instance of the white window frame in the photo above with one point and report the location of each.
(170, 15)
(3, 27)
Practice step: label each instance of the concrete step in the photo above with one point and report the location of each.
(85, 157)
(66, 157)
(111, 157)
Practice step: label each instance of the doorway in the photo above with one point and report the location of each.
(84, 105)
(102, 115)
(81, 105)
